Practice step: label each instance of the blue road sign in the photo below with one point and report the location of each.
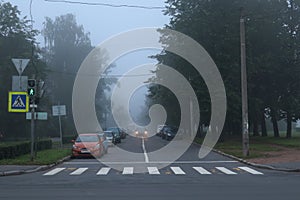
(18, 102)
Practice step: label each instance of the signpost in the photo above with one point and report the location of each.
(59, 110)
(18, 102)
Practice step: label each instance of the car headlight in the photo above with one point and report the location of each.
(146, 132)
(169, 134)
(136, 132)
(74, 146)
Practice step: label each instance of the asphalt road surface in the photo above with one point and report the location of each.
(144, 177)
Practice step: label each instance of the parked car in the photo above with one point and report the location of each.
(123, 133)
(117, 134)
(159, 128)
(110, 138)
(105, 141)
(169, 132)
(87, 145)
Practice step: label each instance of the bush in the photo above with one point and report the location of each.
(13, 150)
(67, 138)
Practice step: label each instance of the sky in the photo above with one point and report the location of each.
(101, 21)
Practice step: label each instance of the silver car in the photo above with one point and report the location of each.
(109, 137)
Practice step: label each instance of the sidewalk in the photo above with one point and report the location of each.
(8, 170)
(288, 158)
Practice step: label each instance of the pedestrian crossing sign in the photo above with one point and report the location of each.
(18, 102)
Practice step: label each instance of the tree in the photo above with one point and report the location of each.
(272, 55)
(18, 39)
(66, 45)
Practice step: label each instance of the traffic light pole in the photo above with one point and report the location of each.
(32, 152)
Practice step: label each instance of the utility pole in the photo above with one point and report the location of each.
(245, 122)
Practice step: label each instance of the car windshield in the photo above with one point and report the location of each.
(114, 130)
(108, 134)
(87, 138)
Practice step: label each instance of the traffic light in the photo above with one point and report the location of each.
(31, 88)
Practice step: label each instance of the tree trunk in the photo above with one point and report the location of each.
(274, 122)
(289, 125)
(263, 125)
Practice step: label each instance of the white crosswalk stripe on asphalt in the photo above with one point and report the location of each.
(54, 171)
(177, 170)
(251, 171)
(103, 171)
(154, 170)
(201, 170)
(226, 171)
(128, 170)
(79, 171)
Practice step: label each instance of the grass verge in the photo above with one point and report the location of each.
(258, 145)
(44, 157)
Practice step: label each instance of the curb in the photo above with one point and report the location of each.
(40, 168)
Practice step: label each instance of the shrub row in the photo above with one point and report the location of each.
(21, 148)
(67, 138)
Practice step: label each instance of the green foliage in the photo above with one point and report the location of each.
(272, 30)
(44, 157)
(12, 150)
(17, 40)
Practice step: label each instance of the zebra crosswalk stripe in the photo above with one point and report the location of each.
(201, 170)
(251, 171)
(54, 171)
(177, 170)
(225, 170)
(127, 170)
(153, 170)
(103, 171)
(79, 171)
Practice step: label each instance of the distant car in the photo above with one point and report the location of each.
(169, 132)
(110, 137)
(141, 133)
(117, 134)
(105, 141)
(159, 130)
(123, 133)
(87, 145)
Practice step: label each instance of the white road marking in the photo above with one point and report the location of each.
(128, 170)
(79, 171)
(151, 162)
(201, 170)
(145, 152)
(251, 171)
(54, 171)
(225, 170)
(177, 170)
(153, 170)
(103, 171)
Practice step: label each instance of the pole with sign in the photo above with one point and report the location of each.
(59, 110)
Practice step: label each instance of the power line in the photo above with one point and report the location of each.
(106, 4)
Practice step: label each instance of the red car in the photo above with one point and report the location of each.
(86, 145)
